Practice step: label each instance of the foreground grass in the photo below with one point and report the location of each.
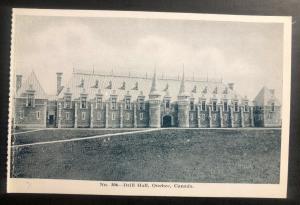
(185, 155)
(59, 134)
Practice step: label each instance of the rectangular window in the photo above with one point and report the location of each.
(141, 116)
(113, 103)
(98, 103)
(83, 104)
(83, 115)
(167, 104)
(225, 106)
(67, 115)
(214, 106)
(273, 107)
(203, 105)
(192, 116)
(127, 116)
(98, 115)
(236, 106)
(246, 107)
(38, 115)
(192, 105)
(141, 104)
(21, 114)
(113, 116)
(67, 103)
(30, 100)
(127, 103)
(269, 116)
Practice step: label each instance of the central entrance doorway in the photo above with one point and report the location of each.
(167, 121)
(51, 122)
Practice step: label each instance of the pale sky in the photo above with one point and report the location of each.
(248, 54)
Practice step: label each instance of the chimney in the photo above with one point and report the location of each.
(231, 86)
(58, 82)
(19, 82)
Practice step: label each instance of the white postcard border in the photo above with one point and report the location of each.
(19, 185)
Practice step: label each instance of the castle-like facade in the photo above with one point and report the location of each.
(92, 100)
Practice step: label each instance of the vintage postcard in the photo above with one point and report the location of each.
(149, 104)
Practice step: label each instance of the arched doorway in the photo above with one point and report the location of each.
(167, 121)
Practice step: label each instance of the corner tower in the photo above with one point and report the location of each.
(154, 104)
(183, 105)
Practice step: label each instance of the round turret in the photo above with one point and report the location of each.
(154, 104)
(183, 105)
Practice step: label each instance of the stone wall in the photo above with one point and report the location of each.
(33, 116)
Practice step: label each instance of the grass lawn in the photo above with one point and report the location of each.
(59, 134)
(168, 155)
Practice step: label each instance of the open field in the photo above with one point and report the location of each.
(169, 155)
(43, 135)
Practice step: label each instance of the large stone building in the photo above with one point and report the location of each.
(123, 101)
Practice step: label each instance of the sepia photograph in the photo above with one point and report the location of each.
(149, 103)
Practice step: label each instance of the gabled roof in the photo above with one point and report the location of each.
(137, 86)
(32, 83)
(266, 97)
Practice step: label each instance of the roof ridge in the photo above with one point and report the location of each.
(147, 77)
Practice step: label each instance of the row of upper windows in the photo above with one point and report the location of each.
(98, 117)
(141, 105)
(225, 106)
(99, 104)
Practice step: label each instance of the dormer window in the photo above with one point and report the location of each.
(113, 103)
(127, 104)
(192, 105)
(225, 106)
(83, 103)
(273, 107)
(141, 104)
(98, 102)
(30, 100)
(67, 102)
(167, 104)
(214, 105)
(246, 107)
(236, 106)
(203, 105)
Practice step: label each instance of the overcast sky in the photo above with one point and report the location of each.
(248, 54)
